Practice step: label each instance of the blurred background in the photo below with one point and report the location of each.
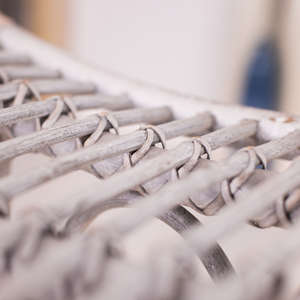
(234, 51)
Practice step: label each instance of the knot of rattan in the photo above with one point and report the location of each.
(184, 170)
(229, 188)
(129, 160)
(55, 114)
(285, 204)
(94, 137)
(25, 86)
(104, 119)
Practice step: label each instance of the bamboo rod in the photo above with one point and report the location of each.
(13, 185)
(48, 86)
(41, 139)
(29, 72)
(43, 108)
(9, 58)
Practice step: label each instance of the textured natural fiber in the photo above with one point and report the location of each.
(51, 253)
